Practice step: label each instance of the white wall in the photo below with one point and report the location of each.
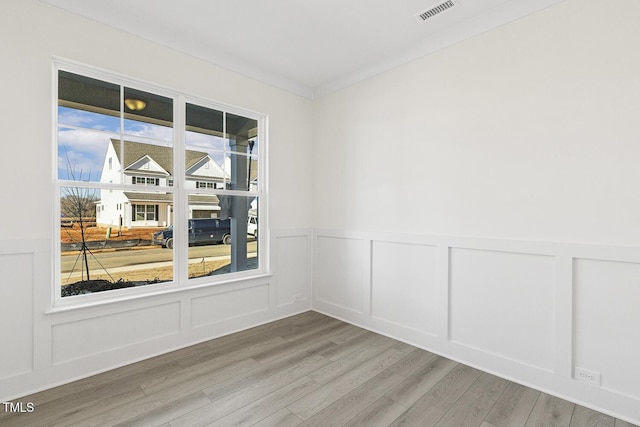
(43, 348)
(454, 176)
(520, 137)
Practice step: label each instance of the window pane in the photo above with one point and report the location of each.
(241, 130)
(148, 140)
(82, 154)
(242, 133)
(147, 108)
(147, 164)
(85, 119)
(223, 234)
(84, 94)
(206, 148)
(93, 222)
(252, 173)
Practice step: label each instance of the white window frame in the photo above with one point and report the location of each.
(178, 188)
(145, 180)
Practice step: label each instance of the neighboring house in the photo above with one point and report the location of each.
(150, 166)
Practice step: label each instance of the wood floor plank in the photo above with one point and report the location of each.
(114, 382)
(134, 409)
(380, 413)
(352, 360)
(246, 378)
(550, 411)
(347, 334)
(282, 418)
(308, 369)
(415, 386)
(585, 417)
(168, 412)
(317, 327)
(209, 379)
(472, 407)
(353, 403)
(226, 347)
(228, 403)
(268, 405)
(414, 361)
(428, 410)
(319, 335)
(514, 406)
(340, 350)
(620, 423)
(333, 390)
(489, 386)
(211, 365)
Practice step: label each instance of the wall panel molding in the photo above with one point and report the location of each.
(529, 311)
(53, 347)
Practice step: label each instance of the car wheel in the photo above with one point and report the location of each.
(226, 239)
(170, 243)
(255, 234)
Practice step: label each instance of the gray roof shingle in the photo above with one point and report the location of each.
(134, 151)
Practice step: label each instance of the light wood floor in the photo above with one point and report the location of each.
(308, 370)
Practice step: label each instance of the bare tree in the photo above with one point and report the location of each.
(79, 204)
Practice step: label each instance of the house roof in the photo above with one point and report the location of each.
(134, 151)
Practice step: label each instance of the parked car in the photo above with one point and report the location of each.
(252, 226)
(201, 232)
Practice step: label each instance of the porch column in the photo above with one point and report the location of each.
(239, 209)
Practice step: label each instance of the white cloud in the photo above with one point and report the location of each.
(81, 151)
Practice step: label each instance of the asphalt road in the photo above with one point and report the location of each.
(122, 258)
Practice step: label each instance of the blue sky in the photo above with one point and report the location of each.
(83, 138)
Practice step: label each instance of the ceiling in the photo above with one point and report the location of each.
(308, 47)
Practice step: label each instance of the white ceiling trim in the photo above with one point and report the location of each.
(448, 37)
(285, 61)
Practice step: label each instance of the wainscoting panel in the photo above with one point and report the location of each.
(404, 285)
(607, 322)
(503, 303)
(45, 346)
(220, 307)
(341, 272)
(79, 339)
(16, 313)
(292, 268)
(527, 311)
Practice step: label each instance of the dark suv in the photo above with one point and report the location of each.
(201, 232)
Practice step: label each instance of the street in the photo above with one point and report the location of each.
(123, 258)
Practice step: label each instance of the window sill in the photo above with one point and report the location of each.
(100, 301)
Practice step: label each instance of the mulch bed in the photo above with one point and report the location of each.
(91, 286)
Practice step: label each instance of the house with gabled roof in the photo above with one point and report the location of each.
(150, 167)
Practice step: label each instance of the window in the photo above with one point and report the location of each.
(144, 212)
(201, 184)
(141, 180)
(112, 134)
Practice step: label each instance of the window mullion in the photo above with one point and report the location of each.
(180, 196)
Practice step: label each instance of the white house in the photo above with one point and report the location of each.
(150, 166)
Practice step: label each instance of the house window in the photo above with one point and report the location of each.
(141, 180)
(219, 148)
(202, 184)
(144, 212)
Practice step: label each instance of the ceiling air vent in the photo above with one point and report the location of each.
(436, 10)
